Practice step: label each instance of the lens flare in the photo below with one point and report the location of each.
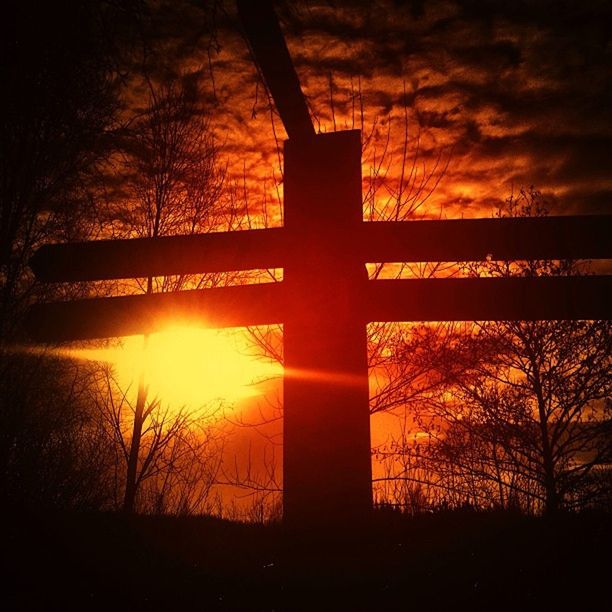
(191, 366)
(183, 366)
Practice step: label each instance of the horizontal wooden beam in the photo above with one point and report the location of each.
(143, 257)
(490, 299)
(236, 306)
(450, 299)
(575, 237)
(272, 56)
(582, 237)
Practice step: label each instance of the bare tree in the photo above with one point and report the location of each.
(174, 185)
(524, 419)
(52, 450)
(179, 454)
(60, 108)
(64, 122)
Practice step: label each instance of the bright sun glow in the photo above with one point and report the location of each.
(187, 366)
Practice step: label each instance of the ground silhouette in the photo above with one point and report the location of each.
(463, 559)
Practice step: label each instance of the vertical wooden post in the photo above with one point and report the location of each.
(327, 465)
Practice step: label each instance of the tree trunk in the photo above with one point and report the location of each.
(550, 482)
(131, 483)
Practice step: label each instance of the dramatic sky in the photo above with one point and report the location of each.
(510, 94)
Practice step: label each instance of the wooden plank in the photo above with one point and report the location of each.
(572, 237)
(493, 299)
(140, 314)
(581, 237)
(142, 257)
(454, 299)
(272, 56)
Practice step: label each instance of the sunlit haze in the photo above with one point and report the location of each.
(187, 366)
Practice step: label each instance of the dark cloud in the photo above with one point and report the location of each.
(519, 91)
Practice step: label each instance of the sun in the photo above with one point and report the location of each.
(190, 367)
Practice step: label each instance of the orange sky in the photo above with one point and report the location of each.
(511, 96)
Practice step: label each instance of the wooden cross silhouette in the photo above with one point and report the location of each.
(325, 300)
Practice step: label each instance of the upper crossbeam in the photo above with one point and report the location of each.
(578, 237)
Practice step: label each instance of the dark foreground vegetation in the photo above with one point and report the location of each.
(452, 560)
